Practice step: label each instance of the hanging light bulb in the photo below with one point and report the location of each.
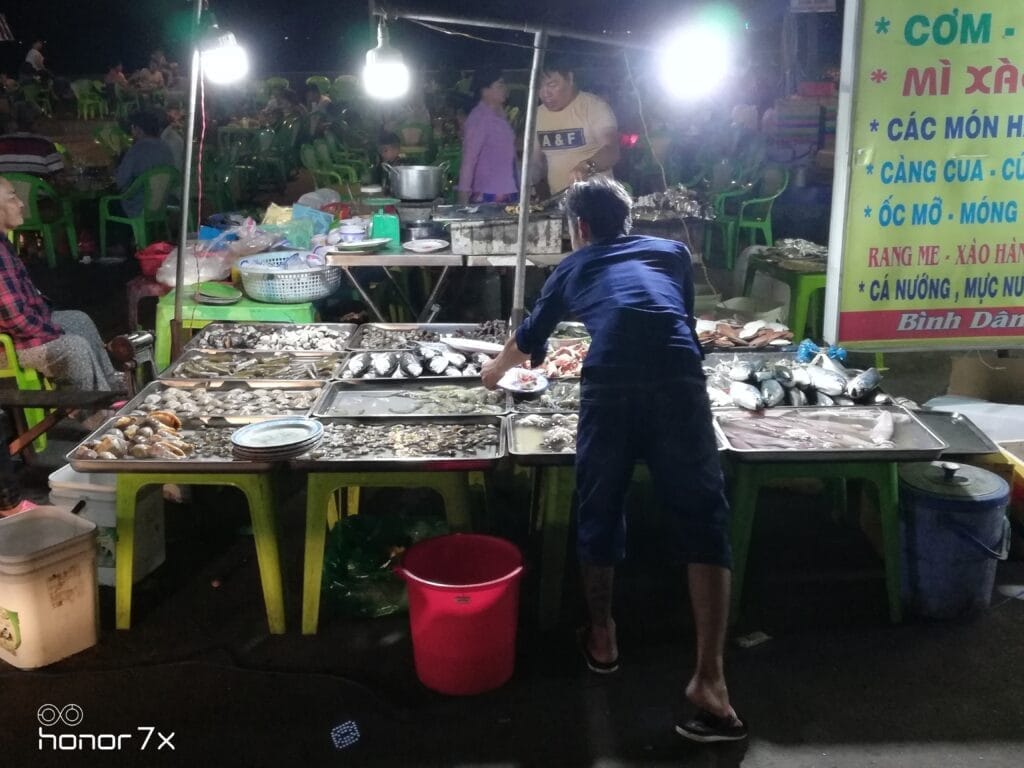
(385, 75)
(224, 60)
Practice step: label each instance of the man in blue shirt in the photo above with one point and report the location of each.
(642, 396)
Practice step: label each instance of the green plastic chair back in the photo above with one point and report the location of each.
(126, 101)
(25, 379)
(156, 185)
(322, 83)
(345, 88)
(277, 82)
(39, 97)
(112, 139)
(31, 190)
(755, 215)
(90, 104)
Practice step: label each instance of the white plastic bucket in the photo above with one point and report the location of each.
(48, 592)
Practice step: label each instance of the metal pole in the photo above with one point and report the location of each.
(186, 185)
(540, 41)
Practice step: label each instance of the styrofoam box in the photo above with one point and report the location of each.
(99, 490)
(48, 596)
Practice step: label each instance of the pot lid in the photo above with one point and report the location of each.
(949, 480)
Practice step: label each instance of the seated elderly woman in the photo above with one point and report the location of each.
(64, 346)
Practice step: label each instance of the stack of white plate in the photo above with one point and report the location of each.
(276, 439)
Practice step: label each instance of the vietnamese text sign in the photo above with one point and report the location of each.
(932, 244)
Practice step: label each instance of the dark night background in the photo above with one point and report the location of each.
(332, 36)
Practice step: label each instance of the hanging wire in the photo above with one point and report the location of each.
(202, 146)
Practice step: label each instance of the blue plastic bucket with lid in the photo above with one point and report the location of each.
(953, 530)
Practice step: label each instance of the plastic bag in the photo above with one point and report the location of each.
(248, 239)
(318, 198)
(361, 550)
(321, 221)
(202, 263)
(277, 214)
(296, 233)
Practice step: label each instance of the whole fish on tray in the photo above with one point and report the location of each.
(753, 383)
(425, 359)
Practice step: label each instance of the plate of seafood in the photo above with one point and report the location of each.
(523, 382)
(879, 433)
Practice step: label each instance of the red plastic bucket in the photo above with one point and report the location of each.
(463, 610)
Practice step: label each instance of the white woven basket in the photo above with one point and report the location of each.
(263, 283)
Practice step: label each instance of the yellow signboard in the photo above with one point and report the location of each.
(929, 249)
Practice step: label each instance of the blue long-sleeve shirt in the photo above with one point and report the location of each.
(635, 296)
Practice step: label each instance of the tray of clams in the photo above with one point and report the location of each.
(393, 336)
(274, 337)
(451, 442)
(394, 400)
(225, 400)
(158, 441)
(542, 438)
(246, 364)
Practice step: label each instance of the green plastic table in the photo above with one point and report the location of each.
(453, 486)
(259, 492)
(194, 315)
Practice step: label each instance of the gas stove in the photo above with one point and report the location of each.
(417, 210)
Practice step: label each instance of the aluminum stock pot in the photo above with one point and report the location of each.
(416, 182)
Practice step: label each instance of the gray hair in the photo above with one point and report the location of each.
(603, 204)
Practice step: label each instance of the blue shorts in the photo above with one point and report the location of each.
(668, 425)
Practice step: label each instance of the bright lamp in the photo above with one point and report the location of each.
(385, 75)
(696, 60)
(224, 60)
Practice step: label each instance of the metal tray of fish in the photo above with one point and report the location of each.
(242, 364)
(229, 401)
(383, 398)
(963, 435)
(205, 449)
(428, 443)
(561, 396)
(274, 337)
(429, 360)
(809, 433)
(391, 336)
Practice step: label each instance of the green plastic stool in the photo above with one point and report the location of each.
(556, 486)
(320, 488)
(259, 492)
(804, 289)
(748, 477)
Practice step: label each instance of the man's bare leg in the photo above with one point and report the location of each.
(597, 588)
(709, 595)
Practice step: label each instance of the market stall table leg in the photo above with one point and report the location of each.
(748, 477)
(320, 487)
(259, 492)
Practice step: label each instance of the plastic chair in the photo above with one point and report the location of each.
(27, 379)
(90, 104)
(277, 82)
(322, 83)
(755, 214)
(155, 185)
(39, 97)
(125, 101)
(416, 139)
(32, 189)
(345, 88)
(323, 155)
(112, 139)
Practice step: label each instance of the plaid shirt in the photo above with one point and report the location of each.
(24, 313)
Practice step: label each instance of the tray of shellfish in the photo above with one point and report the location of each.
(274, 337)
(386, 399)
(159, 441)
(391, 336)
(245, 364)
(562, 395)
(226, 401)
(542, 438)
(455, 443)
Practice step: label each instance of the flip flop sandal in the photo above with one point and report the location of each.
(707, 728)
(598, 667)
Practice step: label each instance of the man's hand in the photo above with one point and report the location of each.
(509, 357)
(491, 374)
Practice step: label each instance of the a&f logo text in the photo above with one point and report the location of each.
(51, 716)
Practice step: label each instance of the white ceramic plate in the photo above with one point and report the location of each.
(472, 345)
(277, 433)
(362, 245)
(425, 245)
(521, 381)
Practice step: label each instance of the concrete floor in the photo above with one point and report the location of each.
(835, 686)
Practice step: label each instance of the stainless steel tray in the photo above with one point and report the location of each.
(962, 434)
(377, 398)
(352, 463)
(218, 389)
(179, 368)
(202, 339)
(524, 443)
(440, 329)
(542, 403)
(911, 440)
(211, 464)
